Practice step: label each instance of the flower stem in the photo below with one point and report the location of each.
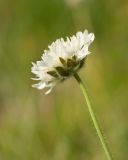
(93, 116)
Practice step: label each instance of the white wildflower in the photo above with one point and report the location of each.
(61, 60)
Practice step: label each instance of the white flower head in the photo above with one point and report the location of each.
(62, 59)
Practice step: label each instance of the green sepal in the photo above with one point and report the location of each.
(71, 63)
(62, 61)
(82, 62)
(62, 71)
(53, 73)
(74, 57)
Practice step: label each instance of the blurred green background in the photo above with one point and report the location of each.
(57, 127)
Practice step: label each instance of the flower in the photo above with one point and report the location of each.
(61, 60)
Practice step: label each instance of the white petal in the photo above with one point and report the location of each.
(76, 45)
(89, 39)
(39, 85)
(83, 52)
(48, 91)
